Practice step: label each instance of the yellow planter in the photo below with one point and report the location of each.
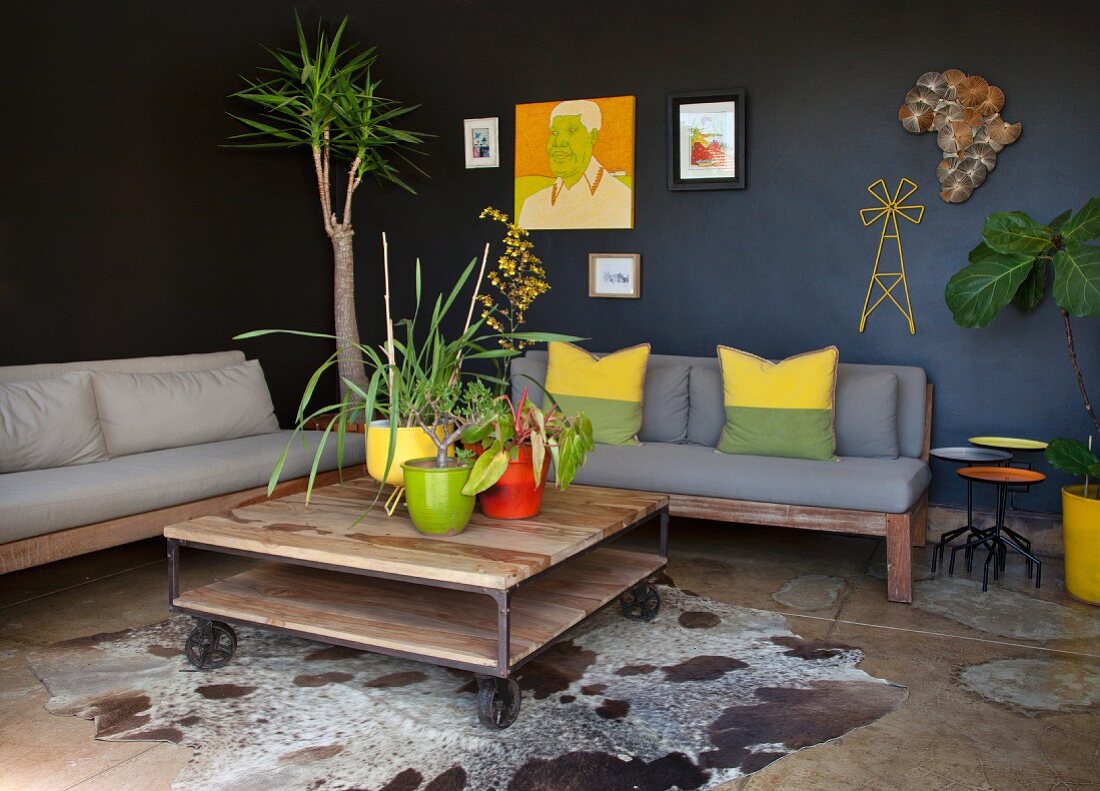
(412, 443)
(1081, 538)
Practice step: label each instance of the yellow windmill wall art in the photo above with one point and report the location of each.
(889, 209)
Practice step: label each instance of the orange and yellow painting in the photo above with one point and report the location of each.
(575, 164)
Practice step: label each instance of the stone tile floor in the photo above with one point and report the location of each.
(1004, 687)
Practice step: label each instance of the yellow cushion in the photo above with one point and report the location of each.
(779, 409)
(608, 389)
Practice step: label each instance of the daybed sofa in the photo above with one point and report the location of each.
(97, 454)
(878, 487)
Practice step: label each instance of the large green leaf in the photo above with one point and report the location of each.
(977, 293)
(487, 470)
(1030, 294)
(1085, 224)
(1016, 232)
(1077, 279)
(1070, 455)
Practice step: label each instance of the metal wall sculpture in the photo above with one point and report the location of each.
(889, 209)
(965, 113)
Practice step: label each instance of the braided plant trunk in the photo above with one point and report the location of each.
(350, 362)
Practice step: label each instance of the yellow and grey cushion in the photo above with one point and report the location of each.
(779, 409)
(607, 389)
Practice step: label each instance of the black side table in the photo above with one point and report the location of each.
(1000, 538)
(967, 456)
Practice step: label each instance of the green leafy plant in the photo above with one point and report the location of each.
(323, 97)
(1011, 266)
(505, 427)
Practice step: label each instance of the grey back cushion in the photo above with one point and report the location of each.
(707, 416)
(141, 412)
(867, 414)
(664, 396)
(49, 423)
(665, 403)
(134, 365)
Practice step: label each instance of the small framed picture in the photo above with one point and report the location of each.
(617, 275)
(706, 140)
(482, 143)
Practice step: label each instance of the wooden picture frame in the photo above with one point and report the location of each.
(615, 275)
(706, 140)
(481, 139)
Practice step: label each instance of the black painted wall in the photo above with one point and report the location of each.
(126, 230)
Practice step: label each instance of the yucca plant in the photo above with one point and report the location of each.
(324, 98)
(1010, 266)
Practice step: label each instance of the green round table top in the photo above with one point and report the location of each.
(1010, 443)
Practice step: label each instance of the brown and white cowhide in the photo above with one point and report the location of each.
(704, 694)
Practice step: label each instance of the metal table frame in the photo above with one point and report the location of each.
(502, 597)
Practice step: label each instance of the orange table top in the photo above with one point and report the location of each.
(1001, 475)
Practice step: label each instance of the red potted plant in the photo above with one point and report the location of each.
(513, 440)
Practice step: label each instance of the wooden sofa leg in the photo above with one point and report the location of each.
(918, 521)
(899, 558)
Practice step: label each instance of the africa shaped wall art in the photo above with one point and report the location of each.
(965, 113)
(575, 164)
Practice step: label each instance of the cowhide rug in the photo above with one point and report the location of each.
(702, 695)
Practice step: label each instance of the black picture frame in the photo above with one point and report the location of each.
(724, 178)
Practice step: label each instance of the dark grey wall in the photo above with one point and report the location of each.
(126, 230)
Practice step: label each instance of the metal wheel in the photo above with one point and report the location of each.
(641, 603)
(211, 645)
(498, 701)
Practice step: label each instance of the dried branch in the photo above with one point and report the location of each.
(322, 188)
(1077, 371)
(353, 182)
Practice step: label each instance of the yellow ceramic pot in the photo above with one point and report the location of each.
(1081, 538)
(412, 443)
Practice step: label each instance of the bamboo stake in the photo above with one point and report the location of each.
(470, 313)
(389, 323)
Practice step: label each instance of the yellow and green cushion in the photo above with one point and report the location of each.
(607, 389)
(779, 409)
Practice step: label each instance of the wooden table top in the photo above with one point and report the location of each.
(489, 553)
(1010, 475)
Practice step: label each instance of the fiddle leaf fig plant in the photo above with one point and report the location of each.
(1011, 266)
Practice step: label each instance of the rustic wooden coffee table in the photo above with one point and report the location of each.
(487, 600)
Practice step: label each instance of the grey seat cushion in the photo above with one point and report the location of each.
(135, 365)
(884, 485)
(42, 501)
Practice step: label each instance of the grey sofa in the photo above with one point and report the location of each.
(877, 487)
(96, 454)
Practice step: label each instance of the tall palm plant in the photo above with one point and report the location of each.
(324, 98)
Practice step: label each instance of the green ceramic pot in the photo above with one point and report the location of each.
(434, 495)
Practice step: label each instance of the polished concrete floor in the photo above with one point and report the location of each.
(1004, 688)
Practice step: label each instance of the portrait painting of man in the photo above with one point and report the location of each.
(575, 164)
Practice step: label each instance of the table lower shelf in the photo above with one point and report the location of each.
(438, 624)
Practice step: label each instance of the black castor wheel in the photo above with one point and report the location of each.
(211, 645)
(498, 701)
(641, 603)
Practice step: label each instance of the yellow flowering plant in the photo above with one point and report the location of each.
(518, 276)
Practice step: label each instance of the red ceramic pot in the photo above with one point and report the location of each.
(515, 495)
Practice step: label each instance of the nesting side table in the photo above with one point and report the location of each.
(968, 456)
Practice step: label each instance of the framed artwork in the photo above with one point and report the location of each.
(706, 140)
(617, 275)
(482, 143)
(575, 164)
